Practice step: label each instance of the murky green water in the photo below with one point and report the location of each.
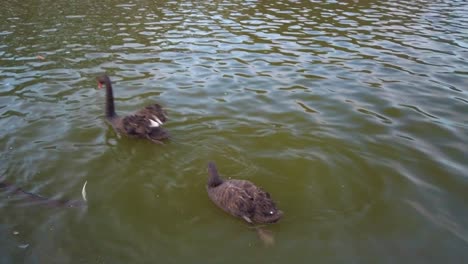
(353, 114)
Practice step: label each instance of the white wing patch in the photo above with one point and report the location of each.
(156, 122)
(246, 218)
(153, 123)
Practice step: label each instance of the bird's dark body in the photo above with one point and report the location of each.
(241, 198)
(140, 124)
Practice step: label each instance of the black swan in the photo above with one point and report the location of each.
(241, 198)
(145, 123)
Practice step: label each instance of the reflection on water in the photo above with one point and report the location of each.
(349, 112)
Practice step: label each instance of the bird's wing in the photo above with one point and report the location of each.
(136, 125)
(155, 113)
(238, 199)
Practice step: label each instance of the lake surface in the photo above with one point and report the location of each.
(352, 114)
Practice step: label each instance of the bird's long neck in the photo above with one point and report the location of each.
(214, 179)
(110, 109)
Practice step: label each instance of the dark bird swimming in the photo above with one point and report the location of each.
(241, 198)
(145, 123)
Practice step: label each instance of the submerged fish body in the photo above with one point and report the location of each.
(36, 199)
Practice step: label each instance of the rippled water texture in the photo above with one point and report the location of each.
(353, 114)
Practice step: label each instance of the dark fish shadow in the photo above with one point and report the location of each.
(33, 199)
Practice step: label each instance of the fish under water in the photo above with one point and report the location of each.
(35, 199)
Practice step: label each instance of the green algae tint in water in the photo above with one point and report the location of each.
(352, 114)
